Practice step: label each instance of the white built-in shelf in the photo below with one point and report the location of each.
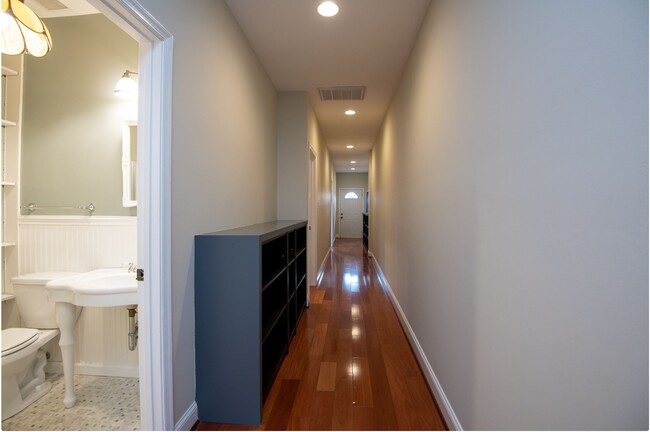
(8, 72)
(8, 244)
(8, 123)
(6, 297)
(8, 183)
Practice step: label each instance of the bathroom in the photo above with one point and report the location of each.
(63, 149)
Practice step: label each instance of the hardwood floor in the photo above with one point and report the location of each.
(349, 366)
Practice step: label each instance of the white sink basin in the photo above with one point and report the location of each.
(99, 288)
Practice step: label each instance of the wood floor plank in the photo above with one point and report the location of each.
(318, 342)
(349, 365)
(318, 296)
(327, 377)
(361, 383)
(364, 418)
(320, 413)
(278, 419)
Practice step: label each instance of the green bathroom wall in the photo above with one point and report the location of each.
(72, 136)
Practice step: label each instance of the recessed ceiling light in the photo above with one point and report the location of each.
(328, 9)
(350, 112)
(349, 146)
(353, 161)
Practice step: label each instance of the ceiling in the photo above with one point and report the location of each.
(60, 8)
(366, 44)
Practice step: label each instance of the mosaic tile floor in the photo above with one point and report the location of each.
(103, 403)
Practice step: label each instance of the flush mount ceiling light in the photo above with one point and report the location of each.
(328, 9)
(353, 169)
(353, 162)
(350, 112)
(22, 30)
(349, 146)
(127, 86)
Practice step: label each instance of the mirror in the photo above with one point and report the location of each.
(129, 163)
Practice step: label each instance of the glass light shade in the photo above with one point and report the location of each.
(22, 30)
(126, 87)
(328, 9)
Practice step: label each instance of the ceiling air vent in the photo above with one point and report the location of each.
(343, 93)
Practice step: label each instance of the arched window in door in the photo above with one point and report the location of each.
(351, 195)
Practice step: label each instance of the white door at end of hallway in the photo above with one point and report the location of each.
(351, 208)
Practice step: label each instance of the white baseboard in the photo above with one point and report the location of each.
(56, 367)
(189, 417)
(321, 269)
(432, 380)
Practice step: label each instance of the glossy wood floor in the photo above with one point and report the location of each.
(349, 366)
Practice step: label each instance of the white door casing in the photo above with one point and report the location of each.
(312, 223)
(154, 207)
(350, 212)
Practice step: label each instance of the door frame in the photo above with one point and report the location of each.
(333, 204)
(154, 208)
(340, 203)
(312, 216)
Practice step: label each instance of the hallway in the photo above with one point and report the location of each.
(349, 365)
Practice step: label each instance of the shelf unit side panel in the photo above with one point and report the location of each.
(228, 329)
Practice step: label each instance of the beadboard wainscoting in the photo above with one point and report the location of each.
(83, 243)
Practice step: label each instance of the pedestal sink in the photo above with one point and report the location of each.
(98, 288)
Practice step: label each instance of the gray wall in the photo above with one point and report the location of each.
(298, 129)
(223, 151)
(349, 180)
(510, 209)
(324, 178)
(293, 156)
(72, 121)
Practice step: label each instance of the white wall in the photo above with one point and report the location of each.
(223, 151)
(81, 244)
(510, 209)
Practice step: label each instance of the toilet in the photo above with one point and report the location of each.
(23, 355)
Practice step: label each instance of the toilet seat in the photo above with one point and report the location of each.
(16, 339)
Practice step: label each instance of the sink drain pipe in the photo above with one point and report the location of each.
(133, 327)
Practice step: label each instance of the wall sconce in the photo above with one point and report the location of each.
(127, 86)
(22, 30)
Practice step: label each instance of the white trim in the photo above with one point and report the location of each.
(321, 269)
(189, 417)
(126, 164)
(154, 207)
(432, 380)
(56, 367)
(79, 220)
(333, 203)
(312, 220)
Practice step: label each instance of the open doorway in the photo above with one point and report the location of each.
(154, 192)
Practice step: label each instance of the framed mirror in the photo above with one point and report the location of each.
(129, 163)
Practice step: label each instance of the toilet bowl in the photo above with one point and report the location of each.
(23, 353)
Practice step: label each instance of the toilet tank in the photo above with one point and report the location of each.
(34, 306)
